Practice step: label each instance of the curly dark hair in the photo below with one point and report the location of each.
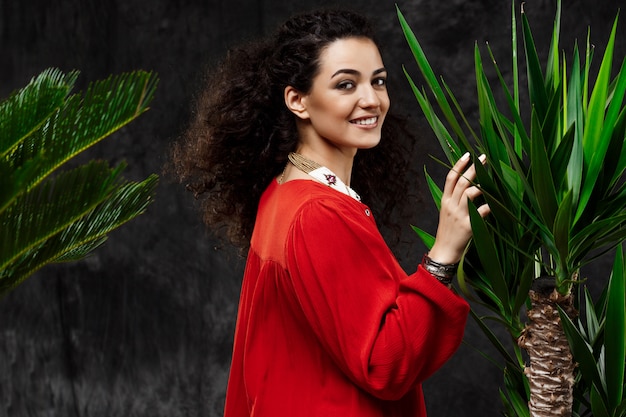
(241, 132)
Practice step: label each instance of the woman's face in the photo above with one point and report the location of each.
(348, 100)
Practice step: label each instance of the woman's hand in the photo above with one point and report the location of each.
(454, 229)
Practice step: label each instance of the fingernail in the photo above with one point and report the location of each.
(482, 158)
(465, 156)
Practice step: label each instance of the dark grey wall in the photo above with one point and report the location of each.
(144, 326)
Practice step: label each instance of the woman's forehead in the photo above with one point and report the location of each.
(350, 53)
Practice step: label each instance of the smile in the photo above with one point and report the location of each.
(365, 122)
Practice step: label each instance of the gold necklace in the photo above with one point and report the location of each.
(302, 163)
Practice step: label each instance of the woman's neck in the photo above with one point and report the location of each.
(340, 163)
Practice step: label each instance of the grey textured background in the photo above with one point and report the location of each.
(144, 327)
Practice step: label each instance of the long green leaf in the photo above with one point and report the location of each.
(516, 385)
(435, 192)
(491, 120)
(552, 68)
(551, 121)
(561, 230)
(536, 86)
(515, 107)
(581, 350)
(429, 75)
(614, 166)
(543, 182)
(598, 406)
(621, 410)
(495, 341)
(427, 239)
(464, 144)
(591, 318)
(561, 160)
(521, 139)
(489, 258)
(525, 283)
(615, 329)
(575, 108)
(597, 135)
(499, 202)
(448, 145)
(596, 235)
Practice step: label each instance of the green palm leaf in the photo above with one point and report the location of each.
(83, 121)
(27, 109)
(38, 215)
(52, 215)
(84, 235)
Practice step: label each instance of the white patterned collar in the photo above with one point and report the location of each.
(326, 176)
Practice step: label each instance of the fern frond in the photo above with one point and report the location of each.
(48, 218)
(44, 211)
(22, 113)
(84, 235)
(83, 121)
(25, 110)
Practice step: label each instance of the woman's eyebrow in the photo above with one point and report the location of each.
(355, 72)
(345, 71)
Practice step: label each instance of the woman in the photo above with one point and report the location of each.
(329, 324)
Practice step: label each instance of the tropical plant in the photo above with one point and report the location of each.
(49, 215)
(554, 182)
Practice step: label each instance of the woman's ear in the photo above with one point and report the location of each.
(295, 102)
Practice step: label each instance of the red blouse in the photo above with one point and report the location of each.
(329, 324)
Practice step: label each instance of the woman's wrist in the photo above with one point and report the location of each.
(444, 272)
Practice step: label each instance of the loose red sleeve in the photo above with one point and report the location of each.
(387, 331)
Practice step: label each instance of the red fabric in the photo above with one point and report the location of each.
(329, 324)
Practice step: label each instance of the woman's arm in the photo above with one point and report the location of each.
(387, 331)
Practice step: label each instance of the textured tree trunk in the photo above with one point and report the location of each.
(551, 369)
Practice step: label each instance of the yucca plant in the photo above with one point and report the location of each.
(49, 214)
(555, 187)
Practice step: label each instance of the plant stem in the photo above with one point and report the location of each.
(551, 370)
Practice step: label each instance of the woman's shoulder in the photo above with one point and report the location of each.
(314, 204)
(305, 209)
(308, 201)
(303, 192)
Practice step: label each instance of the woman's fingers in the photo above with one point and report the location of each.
(473, 192)
(484, 210)
(455, 174)
(455, 229)
(459, 179)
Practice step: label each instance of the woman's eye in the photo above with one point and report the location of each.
(380, 82)
(345, 85)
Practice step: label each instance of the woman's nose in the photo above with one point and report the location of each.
(369, 97)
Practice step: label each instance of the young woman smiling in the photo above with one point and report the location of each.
(328, 324)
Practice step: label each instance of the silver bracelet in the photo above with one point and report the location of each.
(443, 272)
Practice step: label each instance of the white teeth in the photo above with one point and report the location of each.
(368, 121)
